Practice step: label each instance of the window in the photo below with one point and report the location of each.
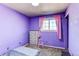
(49, 25)
(45, 25)
(53, 25)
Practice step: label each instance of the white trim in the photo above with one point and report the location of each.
(70, 52)
(52, 46)
(26, 44)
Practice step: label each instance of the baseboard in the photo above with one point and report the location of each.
(26, 44)
(52, 46)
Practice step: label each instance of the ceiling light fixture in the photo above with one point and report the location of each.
(35, 4)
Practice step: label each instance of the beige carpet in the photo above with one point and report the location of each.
(46, 51)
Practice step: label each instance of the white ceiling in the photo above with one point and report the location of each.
(43, 8)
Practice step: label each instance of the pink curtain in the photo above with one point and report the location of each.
(58, 22)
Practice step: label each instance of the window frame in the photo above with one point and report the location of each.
(43, 24)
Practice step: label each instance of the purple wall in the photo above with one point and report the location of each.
(34, 23)
(50, 38)
(13, 29)
(73, 12)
